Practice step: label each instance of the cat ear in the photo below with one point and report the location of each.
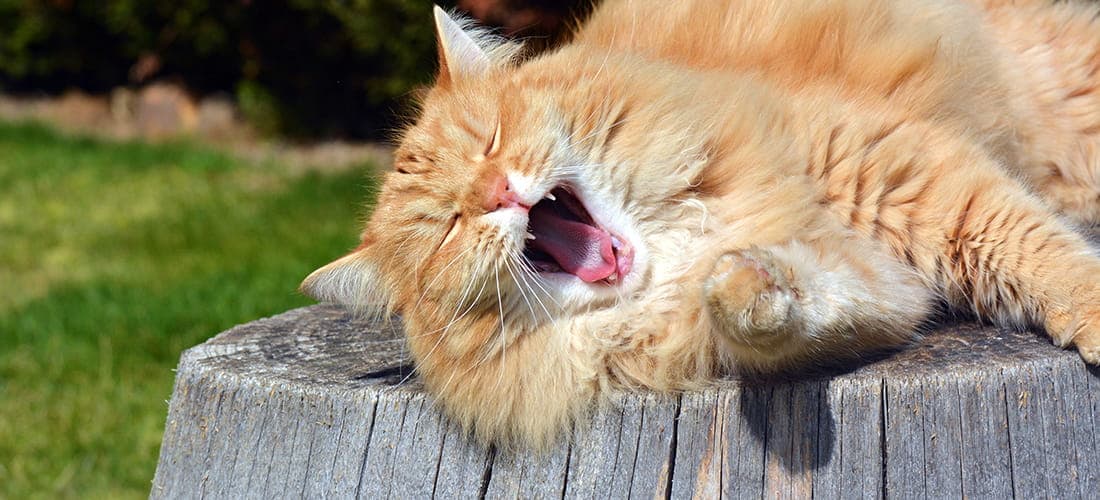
(460, 56)
(351, 280)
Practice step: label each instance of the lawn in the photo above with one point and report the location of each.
(114, 258)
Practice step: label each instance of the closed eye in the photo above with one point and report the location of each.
(452, 231)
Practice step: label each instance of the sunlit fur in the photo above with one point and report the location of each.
(802, 182)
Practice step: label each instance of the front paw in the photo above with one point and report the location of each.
(750, 297)
(1083, 332)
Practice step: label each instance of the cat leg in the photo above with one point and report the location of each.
(819, 300)
(976, 234)
(1010, 258)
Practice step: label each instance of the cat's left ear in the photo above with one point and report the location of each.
(352, 280)
(460, 55)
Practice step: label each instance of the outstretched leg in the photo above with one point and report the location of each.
(974, 233)
(1012, 259)
(815, 300)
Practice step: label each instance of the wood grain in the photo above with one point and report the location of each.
(314, 403)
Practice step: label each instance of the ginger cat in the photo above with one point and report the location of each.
(697, 187)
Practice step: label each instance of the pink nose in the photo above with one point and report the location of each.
(500, 195)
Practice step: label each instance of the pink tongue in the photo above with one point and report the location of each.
(579, 248)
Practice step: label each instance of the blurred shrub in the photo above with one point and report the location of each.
(299, 67)
(309, 68)
(261, 108)
(542, 22)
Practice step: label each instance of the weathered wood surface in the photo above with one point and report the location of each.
(315, 404)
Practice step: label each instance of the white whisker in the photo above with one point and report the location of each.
(537, 280)
(459, 312)
(454, 319)
(594, 132)
(503, 346)
(440, 275)
(524, 273)
(519, 286)
(534, 294)
(527, 270)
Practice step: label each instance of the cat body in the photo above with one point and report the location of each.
(693, 188)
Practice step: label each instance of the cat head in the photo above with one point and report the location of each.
(489, 186)
(503, 226)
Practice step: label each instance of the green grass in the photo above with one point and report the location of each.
(115, 257)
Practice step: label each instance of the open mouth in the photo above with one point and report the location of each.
(566, 239)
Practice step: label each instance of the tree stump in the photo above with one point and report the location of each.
(314, 403)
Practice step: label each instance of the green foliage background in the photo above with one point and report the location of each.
(308, 68)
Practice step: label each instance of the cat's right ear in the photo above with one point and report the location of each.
(352, 280)
(460, 55)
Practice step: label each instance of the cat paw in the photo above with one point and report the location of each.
(750, 296)
(1081, 330)
(1090, 352)
(1087, 338)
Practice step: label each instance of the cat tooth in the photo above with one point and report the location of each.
(551, 197)
(529, 237)
(613, 278)
(615, 243)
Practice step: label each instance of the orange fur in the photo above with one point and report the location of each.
(798, 181)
